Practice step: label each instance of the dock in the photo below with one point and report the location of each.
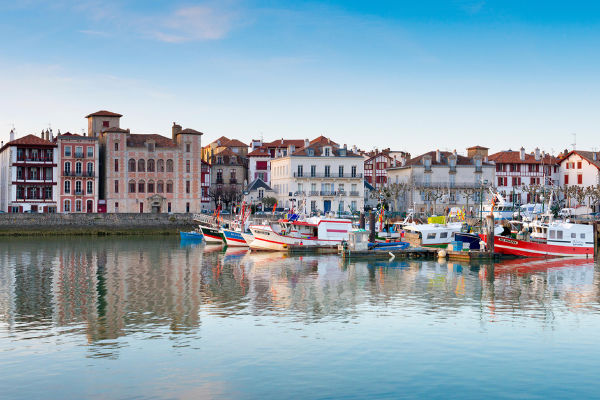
(422, 252)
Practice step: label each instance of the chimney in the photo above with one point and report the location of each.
(306, 143)
(455, 153)
(522, 154)
(282, 141)
(354, 149)
(595, 156)
(42, 134)
(175, 129)
(438, 156)
(12, 135)
(537, 154)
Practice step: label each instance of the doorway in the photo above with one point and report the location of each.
(89, 206)
(326, 205)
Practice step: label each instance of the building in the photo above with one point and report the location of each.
(256, 191)
(143, 173)
(582, 169)
(78, 185)
(436, 180)
(517, 171)
(229, 166)
(322, 175)
(376, 164)
(262, 153)
(28, 174)
(205, 183)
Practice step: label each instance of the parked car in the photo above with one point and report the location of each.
(566, 213)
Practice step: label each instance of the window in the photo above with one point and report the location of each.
(116, 165)
(78, 187)
(582, 236)
(187, 165)
(187, 207)
(151, 147)
(67, 151)
(169, 165)
(341, 171)
(105, 124)
(578, 164)
(131, 186)
(150, 165)
(79, 151)
(90, 187)
(187, 186)
(559, 235)
(131, 165)
(219, 175)
(141, 187)
(141, 165)
(579, 179)
(160, 187)
(443, 235)
(327, 151)
(19, 173)
(354, 171)
(151, 187)
(573, 236)
(67, 206)
(188, 148)
(77, 205)
(160, 166)
(48, 193)
(67, 168)
(67, 187)
(313, 205)
(90, 151)
(169, 187)
(327, 171)
(168, 207)
(300, 170)
(431, 236)
(116, 186)
(116, 206)
(90, 169)
(116, 146)
(78, 168)
(313, 171)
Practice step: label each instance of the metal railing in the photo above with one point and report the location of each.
(330, 175)
(84, 174)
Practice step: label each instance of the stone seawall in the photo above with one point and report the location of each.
(94, 224)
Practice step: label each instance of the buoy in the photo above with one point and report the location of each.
(442, 254)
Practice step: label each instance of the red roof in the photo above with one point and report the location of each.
(259, 152)
(189, 131)
(103, 113)
(478, 148)
(514, 157)
(115, 129)
(285, 143)
(138, 140)
(30, 140)
(586, 155)
(323, 141)
(444, 155)
(235, 143)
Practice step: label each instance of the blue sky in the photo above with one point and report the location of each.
(412, 75)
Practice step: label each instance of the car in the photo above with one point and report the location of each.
(566, 212)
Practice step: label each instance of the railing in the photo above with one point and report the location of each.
(331, 175)
(34, 159)
(478, 169)
(451, 185)
(313, 193)
(79, 155)
(354, 193)
(37, 178)
(85, 174)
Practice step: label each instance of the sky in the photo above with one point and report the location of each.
(409, 75)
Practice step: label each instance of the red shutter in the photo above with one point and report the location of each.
(566, 179)
(579, 179)
(499, 181)
(262, 165)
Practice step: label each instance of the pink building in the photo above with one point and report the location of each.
(144, 173)
(78, 168)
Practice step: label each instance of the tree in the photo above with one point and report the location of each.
(268, 202)
(470, 194)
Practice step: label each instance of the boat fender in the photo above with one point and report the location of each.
(442, 254)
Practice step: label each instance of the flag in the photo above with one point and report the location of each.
(274, 207)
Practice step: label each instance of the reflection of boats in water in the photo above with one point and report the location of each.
(191, 236)
(524, 266)
(235, 253)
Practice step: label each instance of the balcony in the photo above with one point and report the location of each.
(328, 193)
(84, 174)
(354, 193)
(313, 193)
(79, 155)
(78, 193)
(478, 169)
(331, 175)
(35, 159)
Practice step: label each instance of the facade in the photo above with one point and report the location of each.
(580, 168)
(78, 185)
(256, 191)
(261, 155)
(516, 170)
(322, 175)
(28, 174)
(142, 173)
(437, 180)
(229, 166)
(205, 186)
(377, 163)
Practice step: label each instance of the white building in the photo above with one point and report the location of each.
(580, 168)
(261, 154)
(256, 191)
(321, 174)
(516, 170)
(28, 174)
(436, 180)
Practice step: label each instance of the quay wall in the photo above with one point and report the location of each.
(94, 224)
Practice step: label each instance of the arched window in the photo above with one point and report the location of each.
(131, 165)
(160, 188)
(132, 186)
(141, 187)
(169, 186)
(160, 166)
(90, 169)
(67, 187)
(78, 168)
(151, 165)
(78, 187)
(141, 165)
(67, 168)
(67, 206)
(150, 186)
(169, 165)
(90, 187)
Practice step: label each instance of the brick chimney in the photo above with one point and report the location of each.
(522, 154)
(175, 130)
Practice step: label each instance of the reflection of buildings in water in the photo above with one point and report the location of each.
(7, 284)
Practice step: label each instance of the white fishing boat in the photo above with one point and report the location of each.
(313, 231)
(435, 235)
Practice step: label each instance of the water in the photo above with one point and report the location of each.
(154, 318)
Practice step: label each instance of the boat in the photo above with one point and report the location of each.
(499, 207)
(312, 231)
(434, 235)
(212, 234)
(192, 236)
(233, 237)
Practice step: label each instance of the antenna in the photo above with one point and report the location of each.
(574, 141)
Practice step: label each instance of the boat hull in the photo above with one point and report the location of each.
(196, 236)
(234, 238)
(267, 239)
(212, 235)
(525, 248)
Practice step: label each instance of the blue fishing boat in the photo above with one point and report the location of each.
(193, 235)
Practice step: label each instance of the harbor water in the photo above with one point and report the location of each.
(157, 318)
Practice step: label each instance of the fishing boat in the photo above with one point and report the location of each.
(313, 231)
(210, 228)
(435, 235)
(499, 207)
(233, 232)
(191, 236)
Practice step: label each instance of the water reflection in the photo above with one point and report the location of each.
(110, 288)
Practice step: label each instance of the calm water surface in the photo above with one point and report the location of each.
(156, 318)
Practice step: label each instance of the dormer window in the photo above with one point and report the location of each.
(326, 151)
(342, 152)
(151, 146)
(310, 152)
(427, 163)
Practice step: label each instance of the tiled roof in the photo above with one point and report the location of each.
(103, 113)
(31, 140)
(323, 140)
(514, 157)
(220, 141)
(225, 151)
(381, 153)
(189, 131)
(586, 155)
(259, 152)
(478, 148)
(444, 155)
(138, 140)
(235, 143)
(285, 143)
(115, 129)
